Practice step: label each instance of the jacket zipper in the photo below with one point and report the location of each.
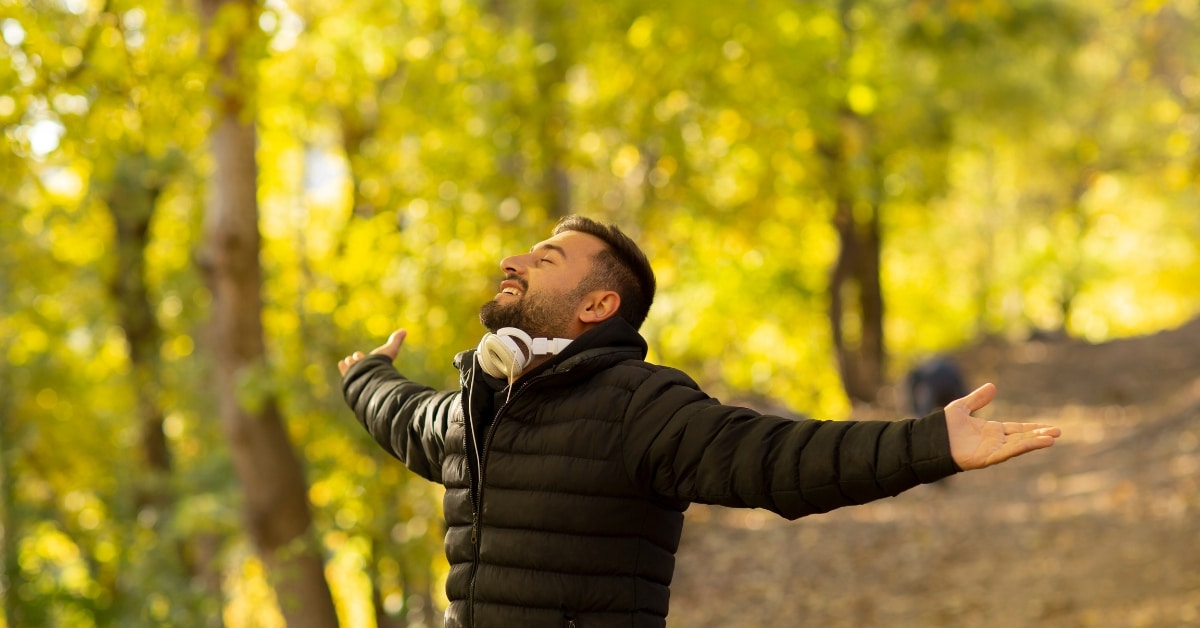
(480, 455)
(470, 450)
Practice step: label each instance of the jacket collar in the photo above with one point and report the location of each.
(609, 342)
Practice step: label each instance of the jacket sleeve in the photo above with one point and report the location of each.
(408, 419)
(682, 444)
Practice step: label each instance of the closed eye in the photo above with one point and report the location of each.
(548, 250)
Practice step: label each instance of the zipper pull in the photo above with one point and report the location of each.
(474, 534)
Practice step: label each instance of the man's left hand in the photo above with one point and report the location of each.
(976, 443)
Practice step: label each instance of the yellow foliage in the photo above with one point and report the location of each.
(404, 148)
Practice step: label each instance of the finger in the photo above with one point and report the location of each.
(345, 363)
(977, 399)
(1021, 444)
(1038, 428)
(391, 348)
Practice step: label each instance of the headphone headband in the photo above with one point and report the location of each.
(549, 346)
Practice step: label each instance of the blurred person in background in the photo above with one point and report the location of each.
(932, 384)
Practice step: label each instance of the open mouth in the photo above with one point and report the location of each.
(511, 288)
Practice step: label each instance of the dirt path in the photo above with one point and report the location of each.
(1101, 530)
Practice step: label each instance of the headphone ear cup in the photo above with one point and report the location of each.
(500, 356)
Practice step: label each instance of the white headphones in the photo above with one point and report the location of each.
(507, 352)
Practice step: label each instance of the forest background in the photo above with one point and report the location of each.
(204, 205)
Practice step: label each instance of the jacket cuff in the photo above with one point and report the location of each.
(358, 369)
(932, 460)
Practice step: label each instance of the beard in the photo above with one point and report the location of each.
(540, 316)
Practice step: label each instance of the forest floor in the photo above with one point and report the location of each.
(1103, 529)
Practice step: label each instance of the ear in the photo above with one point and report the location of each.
(598, 306)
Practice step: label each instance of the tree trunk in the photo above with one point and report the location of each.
(132, 198)
(382, 619)
(1074, 270)
(546, 114)
(549, 22)
(275, 507)
(856, 303)
(131, 202)
(855, 291)
(10, 578)
(871, 347)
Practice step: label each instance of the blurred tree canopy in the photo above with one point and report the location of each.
(828, 190)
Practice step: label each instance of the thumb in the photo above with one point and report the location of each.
(391, 348)
(978, 398)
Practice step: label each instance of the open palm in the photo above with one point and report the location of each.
(976, 443)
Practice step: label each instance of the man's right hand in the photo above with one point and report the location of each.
(391, 349)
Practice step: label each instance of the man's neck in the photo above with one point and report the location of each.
(537, 361)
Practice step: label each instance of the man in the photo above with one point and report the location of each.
(568, 460)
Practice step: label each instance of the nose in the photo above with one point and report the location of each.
(515, 264)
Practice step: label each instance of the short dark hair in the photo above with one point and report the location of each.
(621, 267)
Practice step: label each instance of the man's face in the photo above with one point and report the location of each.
(539, 294)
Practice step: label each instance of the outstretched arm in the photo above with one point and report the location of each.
(682, 444)
(976, 443)
(407, 419)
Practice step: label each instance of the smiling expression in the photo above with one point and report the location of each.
(540, 292)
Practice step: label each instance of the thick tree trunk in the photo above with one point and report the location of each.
(276, 508)
(856, 304)
(855, 291)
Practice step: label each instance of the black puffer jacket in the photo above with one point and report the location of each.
(566, 508)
